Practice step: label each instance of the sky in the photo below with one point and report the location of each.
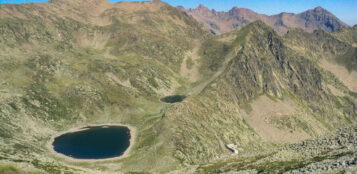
(346, 10)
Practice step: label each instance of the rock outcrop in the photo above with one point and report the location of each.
(221, 22)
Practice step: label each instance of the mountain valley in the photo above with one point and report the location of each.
(284, 94)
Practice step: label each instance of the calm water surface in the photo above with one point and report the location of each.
(97, 142)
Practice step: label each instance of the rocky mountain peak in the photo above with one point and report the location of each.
(319, 8)
(310, 20)
(320, 18)
(202, 7)
(202, 11)
(180, 7)
(235, 8)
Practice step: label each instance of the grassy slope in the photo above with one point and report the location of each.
(62, 72)
(348, 35)
(264, 66)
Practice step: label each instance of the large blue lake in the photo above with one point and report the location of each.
(98, 142)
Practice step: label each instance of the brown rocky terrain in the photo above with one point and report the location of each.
(220, 22)
(188, 94)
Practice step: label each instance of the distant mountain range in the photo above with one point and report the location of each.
(185, 93)
(220, 22)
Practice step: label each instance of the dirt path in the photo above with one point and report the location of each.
(123, 83)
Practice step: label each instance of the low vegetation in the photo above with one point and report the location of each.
(62, 69)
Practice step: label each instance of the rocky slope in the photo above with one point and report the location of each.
(65, 66)
(331, 153)
(348, 35)
(266, 93)
(220, 22)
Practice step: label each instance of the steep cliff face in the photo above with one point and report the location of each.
(220, 22)
(266, 93)
(335, 52)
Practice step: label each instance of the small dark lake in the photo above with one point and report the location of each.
(173, 98)
(97, 142)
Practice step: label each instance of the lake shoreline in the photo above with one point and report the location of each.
(132, 131)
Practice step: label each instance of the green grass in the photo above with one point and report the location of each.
(189, 63)
(349, 59)
(214, 53)
(153, 82)
(58, 83)
(8, 169)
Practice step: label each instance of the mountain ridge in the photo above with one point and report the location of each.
(64, 66)
(220, 22)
